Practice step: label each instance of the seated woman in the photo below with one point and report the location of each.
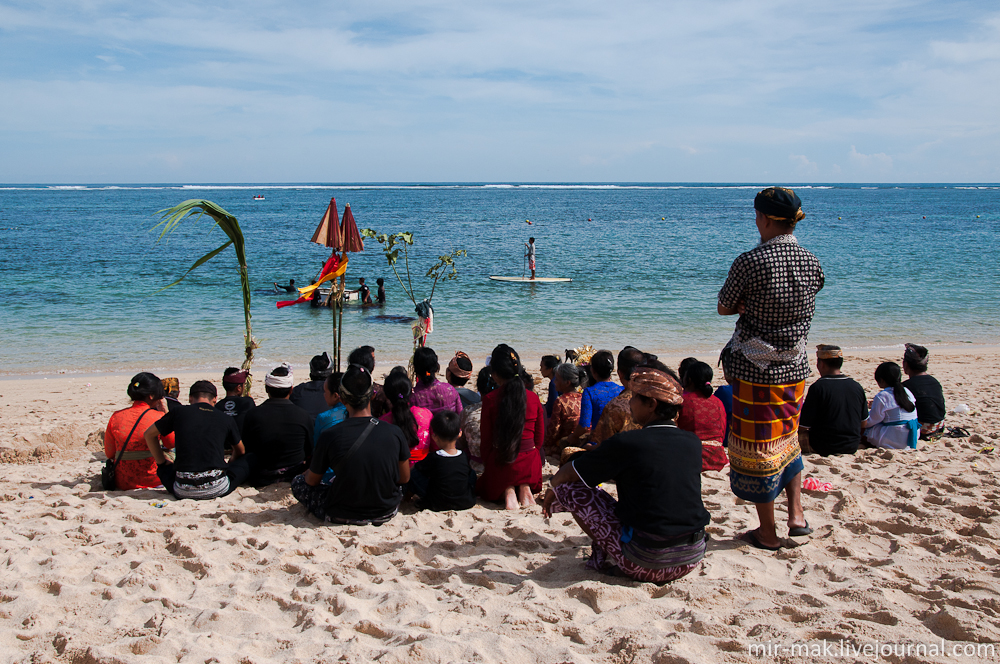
(429, 392)
(596, 395)
(704, 415)
(892, 421)
(568, 379)
(546, 367)
(471, 418)
(656, 530)
(512, 431)
(413, 420)
(136, 469)
(927, 391)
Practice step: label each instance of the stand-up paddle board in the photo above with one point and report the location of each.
(529, 280)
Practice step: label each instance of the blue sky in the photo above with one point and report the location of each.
(744, 90)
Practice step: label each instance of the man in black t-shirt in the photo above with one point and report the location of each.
(365, 293)
(834, 408)
(370, 459)
(235, 405)
(309, 396)
(278, 432)
(655, 531)
(201, 433)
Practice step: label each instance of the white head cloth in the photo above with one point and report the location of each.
(280, 382)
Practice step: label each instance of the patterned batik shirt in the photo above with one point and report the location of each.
(615, 418)
(777, 282)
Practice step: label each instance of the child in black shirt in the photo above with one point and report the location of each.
(443, 480)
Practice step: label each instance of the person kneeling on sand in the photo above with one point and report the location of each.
(443, 480)
(655, 531)
(277, 432)
(512, 430)
(834, 408)
(201, 434)
(370, 461)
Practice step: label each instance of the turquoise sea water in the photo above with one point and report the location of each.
(80, 268)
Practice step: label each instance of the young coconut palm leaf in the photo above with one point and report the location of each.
(172, 217)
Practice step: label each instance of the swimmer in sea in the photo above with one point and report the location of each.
(290, 288)
(366, 293)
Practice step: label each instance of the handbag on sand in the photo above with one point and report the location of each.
(108, 472)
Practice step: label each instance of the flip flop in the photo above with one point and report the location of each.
(751, 537)
(800, 531)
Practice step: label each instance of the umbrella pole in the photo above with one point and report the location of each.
(340, 331)
(333, 311)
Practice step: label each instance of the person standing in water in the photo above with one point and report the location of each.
(380, 293)
(530, 253)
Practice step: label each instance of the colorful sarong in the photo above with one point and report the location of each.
(764, 452)
(596, 509)
(931, 430)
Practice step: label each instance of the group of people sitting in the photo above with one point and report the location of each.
(837, 417)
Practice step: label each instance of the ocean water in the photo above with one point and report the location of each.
(80, 269)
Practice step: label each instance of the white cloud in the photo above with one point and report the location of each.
(803, 165)
(509, 90)
(879, 162)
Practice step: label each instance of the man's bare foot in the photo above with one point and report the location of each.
(525, 496)
(510, 499)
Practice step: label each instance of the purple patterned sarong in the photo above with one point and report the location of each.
(596, 509)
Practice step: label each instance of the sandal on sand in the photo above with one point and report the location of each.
(751, 536)
(957, 432)
(800, 531)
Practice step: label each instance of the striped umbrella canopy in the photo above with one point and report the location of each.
(329, 233)
(351, 235)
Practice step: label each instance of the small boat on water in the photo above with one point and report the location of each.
(349, 295)
(259, 197)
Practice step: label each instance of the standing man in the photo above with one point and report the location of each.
(380, 294)
(834, 408)
(366, 293)
(530, 253)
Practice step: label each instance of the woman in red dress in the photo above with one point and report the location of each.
(512, 432)
(137, 470)
(704, 415)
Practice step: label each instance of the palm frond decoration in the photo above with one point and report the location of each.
(172, 218)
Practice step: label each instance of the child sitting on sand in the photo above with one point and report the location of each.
(892, 422)
(443, 480)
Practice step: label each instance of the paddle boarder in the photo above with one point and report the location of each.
(530, 254)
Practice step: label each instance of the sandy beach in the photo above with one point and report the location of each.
(905, 551)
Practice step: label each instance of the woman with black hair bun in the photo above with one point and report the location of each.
(429, 392)
(892, 421)
(569, 380)
(704, 415)
(512, 432)
(413, 420)
(599, 391)
(137, 470)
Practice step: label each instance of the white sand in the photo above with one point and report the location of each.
(905, 550)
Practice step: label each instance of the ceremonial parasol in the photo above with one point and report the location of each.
(345, 237)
